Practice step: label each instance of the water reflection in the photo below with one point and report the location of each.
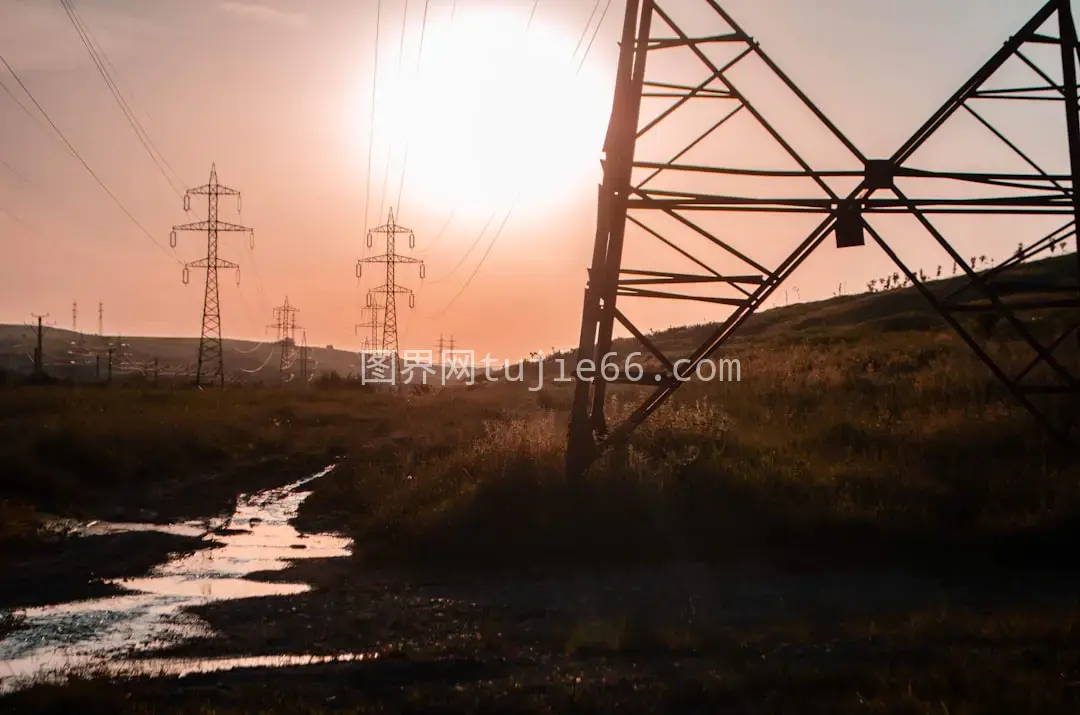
(101, 632)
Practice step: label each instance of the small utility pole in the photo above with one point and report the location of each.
(303, 360)
(39, 351)
(108, 379)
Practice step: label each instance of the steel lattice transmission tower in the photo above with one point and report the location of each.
(211, 356)
(390, 289)
(370, 321)
(285, 325)
(725, 197)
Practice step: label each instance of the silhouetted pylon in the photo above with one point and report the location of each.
(370, 321)
(390, 288)
(211, 356)
(681, 192)
(285, 325)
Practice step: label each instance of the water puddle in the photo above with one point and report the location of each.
(104, 633)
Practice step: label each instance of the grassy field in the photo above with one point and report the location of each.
(862, 434)
(74, 451)
(860, 415)
(861, 426)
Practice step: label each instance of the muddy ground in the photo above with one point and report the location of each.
(749, 637)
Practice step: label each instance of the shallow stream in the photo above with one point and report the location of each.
(104, 634)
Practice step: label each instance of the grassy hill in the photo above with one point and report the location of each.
(897, 310)
(895, 331)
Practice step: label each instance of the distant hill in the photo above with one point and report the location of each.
(71, 355)
(881, 311)
(864, 315)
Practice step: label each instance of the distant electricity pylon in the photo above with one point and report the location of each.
(100, 319)
(303, 360)
(74, 316)
(442, 347)
(370, 321)
(390, 289)
(285, 325)
(211, 355)
(688, 194)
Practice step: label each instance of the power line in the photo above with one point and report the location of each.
(15, 217)
(596, 31)
(442, 230)
(26, 110)
(482, 259)
(585, 30)
(260, 367)
(474, 244)
(83, 161)
(419, 61)
(390, 148)
(513, 204)
(532, 14)
(14, 171)
(493, 213)
(33, 186)
(247, 313)
(97, 56)
(371, 140)
(254, 266)
(371, 135)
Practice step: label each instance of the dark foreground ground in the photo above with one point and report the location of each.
(775, 631)
(677, 638)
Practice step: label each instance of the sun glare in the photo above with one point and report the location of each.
(488, 114)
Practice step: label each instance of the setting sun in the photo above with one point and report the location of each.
(494, 108)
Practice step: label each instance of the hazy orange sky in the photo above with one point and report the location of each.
(279, 94)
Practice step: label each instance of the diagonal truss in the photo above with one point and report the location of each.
(686, 196)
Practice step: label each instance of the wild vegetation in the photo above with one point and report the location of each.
(863, 434)
(861, 424)
(860, 413)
